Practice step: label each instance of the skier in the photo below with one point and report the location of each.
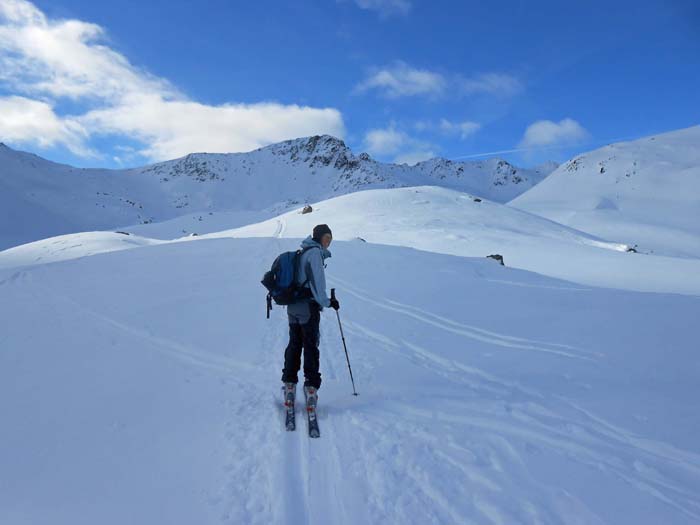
(304, 316)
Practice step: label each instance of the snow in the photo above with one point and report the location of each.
(140, 379)
(644, 193)
(72, 246)
(487, 394)
(40, 199)
(446, 221)
(428, 218)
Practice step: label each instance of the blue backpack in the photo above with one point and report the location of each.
(281, 280)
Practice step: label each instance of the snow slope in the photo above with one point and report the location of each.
(71, 246)
(428, 218)
(445, 221)
(40, 199)
(487, 394)
(645, 192)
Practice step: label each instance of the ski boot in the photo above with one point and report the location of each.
(311, 394)
(289, 391)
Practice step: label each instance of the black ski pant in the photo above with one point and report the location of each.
(304, 336)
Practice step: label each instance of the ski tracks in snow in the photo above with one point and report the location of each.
(278, 476)
(471, 332)
(474, 440)
(482, 448)
(280, 229)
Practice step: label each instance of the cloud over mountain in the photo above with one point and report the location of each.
(547, 133)
(45, 61)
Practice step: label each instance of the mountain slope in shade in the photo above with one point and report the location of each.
(41, 199)
(645, 192)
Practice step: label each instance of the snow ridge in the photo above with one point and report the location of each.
(645, 192)
(50, 199)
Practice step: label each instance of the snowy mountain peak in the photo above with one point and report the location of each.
(497, 177)
(51, 199)
(318, 150)
(322, 143)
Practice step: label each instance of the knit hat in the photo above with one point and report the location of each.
(320, 231)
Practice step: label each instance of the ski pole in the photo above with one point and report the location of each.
(354, 393)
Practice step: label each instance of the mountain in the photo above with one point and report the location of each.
(40, 199)
(138, 365)
(428, 218)
(142, 386)
(644, 193)
(493, 179)
(446, 221)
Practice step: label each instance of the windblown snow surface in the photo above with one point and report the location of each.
(142, 386)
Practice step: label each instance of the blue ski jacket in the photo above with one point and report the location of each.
(311, 267)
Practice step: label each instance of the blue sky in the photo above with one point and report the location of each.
(125, 83)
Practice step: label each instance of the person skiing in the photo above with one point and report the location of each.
(304, 315)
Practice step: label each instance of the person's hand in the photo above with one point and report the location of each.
(335, 304)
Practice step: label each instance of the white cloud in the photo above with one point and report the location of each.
(173, 128)
(401, 80)
(397, 144)
(499, 84)
(65, 58)
(16, 11)
(51, 60)
(25, 120)
(464, 129)
(414, 157)
(386, 7)
(385, 141)
(547, 133)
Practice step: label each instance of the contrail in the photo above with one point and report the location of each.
(516, 150)
(537, 148)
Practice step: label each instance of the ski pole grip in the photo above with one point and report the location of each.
(332, 293)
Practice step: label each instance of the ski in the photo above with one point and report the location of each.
(311, 401)
(289, 394)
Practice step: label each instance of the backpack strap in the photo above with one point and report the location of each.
(296, 263)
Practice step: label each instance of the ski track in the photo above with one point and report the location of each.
(477, 445)
(255, 434)
(589, 442)
(488, 433)
(648, 466)
(255, 501)
(281, 227)
(470, 332)
(186, 353)
(539, 286)
(305, 484)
